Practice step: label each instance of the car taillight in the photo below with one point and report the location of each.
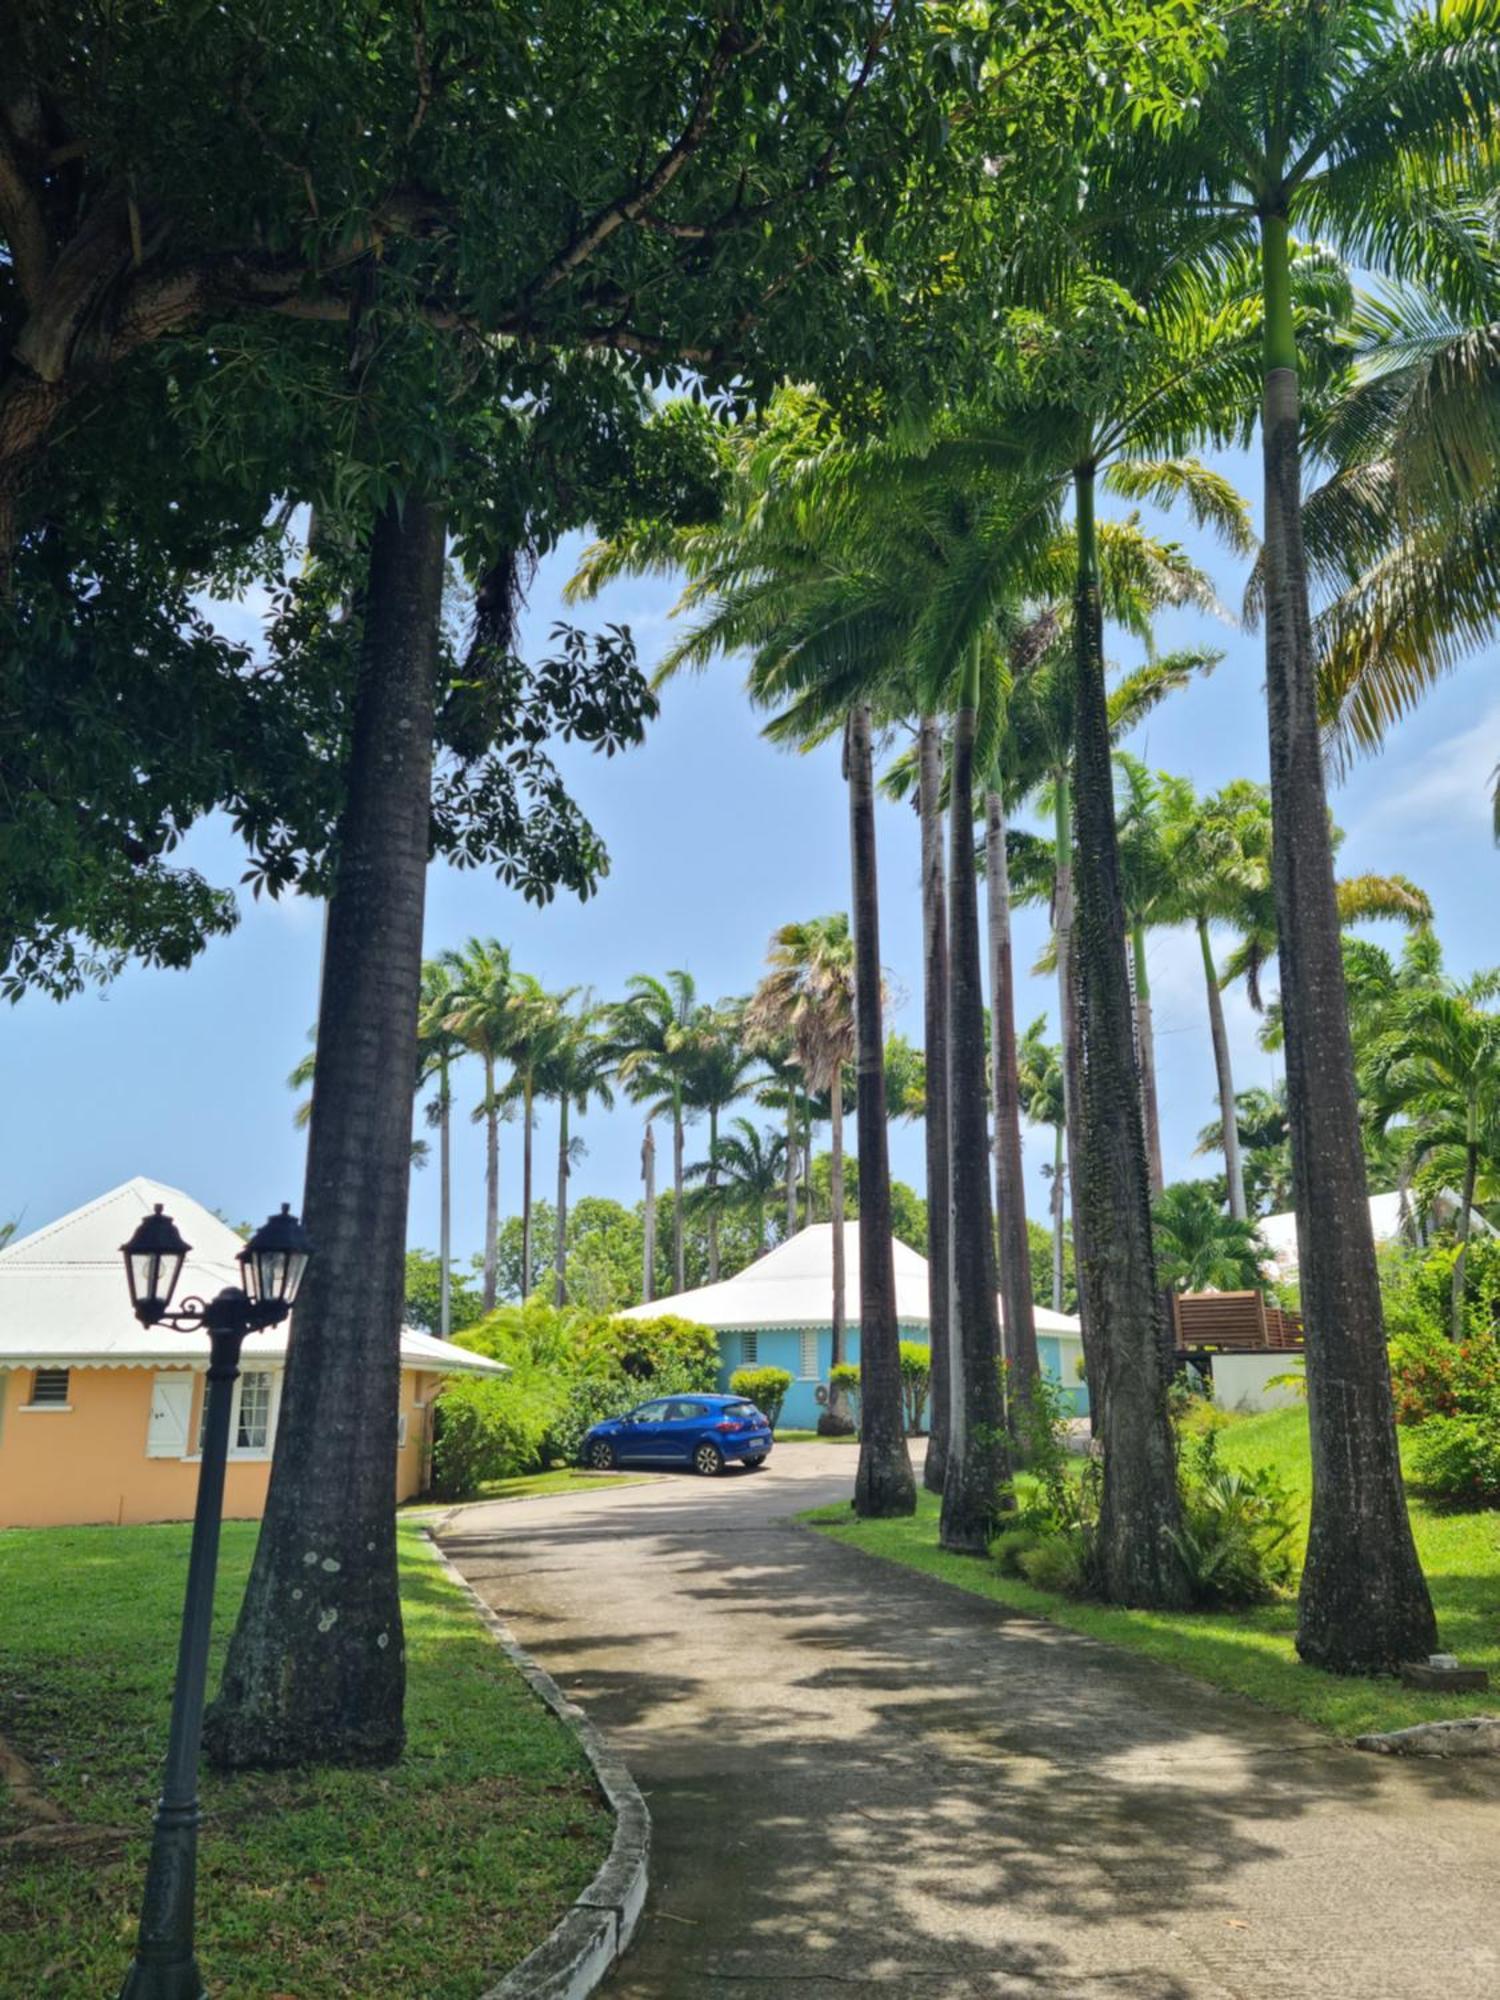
(726, 1424)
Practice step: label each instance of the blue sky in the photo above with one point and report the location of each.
(715, 839)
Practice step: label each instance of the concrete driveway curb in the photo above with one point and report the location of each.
(571, 1962)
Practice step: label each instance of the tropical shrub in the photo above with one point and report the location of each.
(916, 1382)
(643, 1349)
(486, 1428)
(765, 1387)
(1062, 1562)
(846, 1377)
(1237, 1527)
(1458, 1459)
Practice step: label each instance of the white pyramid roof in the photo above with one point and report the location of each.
(792, 1286)
(1391, 1216)
(64, 1302)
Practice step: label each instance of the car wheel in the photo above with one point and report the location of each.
(601, 1455)
(708, 1460)
(755, 1464)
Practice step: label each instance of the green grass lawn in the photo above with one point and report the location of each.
(540, 1485)
(1251, 1651)
(424, 1881)
(815, 1437)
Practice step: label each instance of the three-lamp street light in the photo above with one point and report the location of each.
(272, 1265)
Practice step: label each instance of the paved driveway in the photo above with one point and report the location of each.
(863, 1782)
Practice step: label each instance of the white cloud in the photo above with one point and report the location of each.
(1450, 782)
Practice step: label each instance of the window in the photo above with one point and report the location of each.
(49, 1389)
(401, 1432)
(252, 1431)
(749, 1349)
(807, 1355)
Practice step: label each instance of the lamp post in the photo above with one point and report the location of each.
(271, 1266)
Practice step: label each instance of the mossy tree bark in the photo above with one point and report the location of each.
(1065, 940)
(883, 1481)
(1145, 1025)
(935, 1032)
(1364, 1606)
(1139, 1510)
(978, 1451)
(316, 1668)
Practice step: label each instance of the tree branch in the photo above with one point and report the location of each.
(21, 220)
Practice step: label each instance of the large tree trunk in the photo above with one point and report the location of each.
(491, 1188)
(560, 1253)
(648, 1249)
(1146, 1044)
(316, 1668)
(1018, 1333)
(1139, 1511)
(935, 1121)
(1065, 941)
(978, 1458)
(712, 1184)
(1229, 1124)
(1364, 1606)
(883, 1482)
(1059, 1215)
(1461, 1223)
(445, 1206)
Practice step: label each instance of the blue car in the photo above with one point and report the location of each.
(705, 1432)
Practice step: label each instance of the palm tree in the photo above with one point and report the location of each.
(720, 1070)
(784, 1091)
(480, 1017)
(1436, 1067)
(807, 999)
(1342, 117)
(1044, 1100)
(1201, 1248)
(935, 1005)
(749, 1165)
(573, 1069)
(535, 1021)
(1261, 1125)
(437, 1049)
(653, 1035)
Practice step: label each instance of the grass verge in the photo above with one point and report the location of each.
(816, 1437)
(1251, 1651)
(538, 1486)
(425, 1880)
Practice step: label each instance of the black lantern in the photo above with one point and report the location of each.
(154, 1258)
(273, 1261)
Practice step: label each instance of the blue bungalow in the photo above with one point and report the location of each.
(778, 1313)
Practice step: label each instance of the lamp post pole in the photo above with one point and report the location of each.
(165, 1966)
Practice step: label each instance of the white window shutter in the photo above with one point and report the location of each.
(171, 1413)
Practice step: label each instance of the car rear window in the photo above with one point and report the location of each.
(740, 1411)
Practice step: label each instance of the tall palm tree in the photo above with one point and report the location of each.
(1044, 1100)
(936, 1123)
(653, 1034)
(749, 1165)
(438, 1047)
(535, 1021)
(480, 1017)
(574, 1069)
(721, 1069)
(1201, 1248)
(807, 998)
(1340, 117)
(1436, 1067)
(784, 1091)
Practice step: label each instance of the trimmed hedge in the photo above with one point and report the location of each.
(765, 1387)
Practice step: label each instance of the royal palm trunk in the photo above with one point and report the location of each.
(679, 1265)
(316, 1668)
(883, 1482)
(935, 1118)
(1364, 1605)
(1019, 1330)
(978, 1455)
(1063, 927)
(1229, 1124)
(1059, 1214)
(560, 1253)
(491, 1187)
(445, 1204)
(836, 1416)
(791, 1159)
(1139, 1510)
(526, 1138)
(648, 1234)
(713, 1182)
(1462, 1220)
(1145, 1027)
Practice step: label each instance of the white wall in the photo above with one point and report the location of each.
(1240, 1381)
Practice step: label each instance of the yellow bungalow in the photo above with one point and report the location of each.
(100, 1417)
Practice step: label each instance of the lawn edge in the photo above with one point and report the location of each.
(584, 1945)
